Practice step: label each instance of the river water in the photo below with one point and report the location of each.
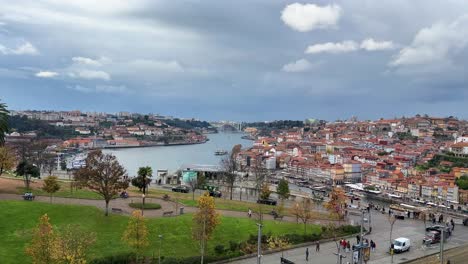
(173, 157)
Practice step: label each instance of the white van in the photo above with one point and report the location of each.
(401, 244)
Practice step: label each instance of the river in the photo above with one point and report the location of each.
(172, 157)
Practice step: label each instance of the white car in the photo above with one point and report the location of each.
(401, 244)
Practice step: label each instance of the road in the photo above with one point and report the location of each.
(409, 228)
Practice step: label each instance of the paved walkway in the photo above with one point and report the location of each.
(409, 228)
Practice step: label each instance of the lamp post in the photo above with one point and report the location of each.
(160, 243)
(143, 204)
(259, 241)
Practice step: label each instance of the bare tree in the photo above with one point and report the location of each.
(104, 175)
(230, 168)
(303, 212)
(391, 221)
(260, 173)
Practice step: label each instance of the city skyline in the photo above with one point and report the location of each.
(263, 60)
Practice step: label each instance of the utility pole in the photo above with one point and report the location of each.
(441, 256)
(361, 235)
(259, 241)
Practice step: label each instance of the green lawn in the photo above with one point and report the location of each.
(65, 192)
(17, 219)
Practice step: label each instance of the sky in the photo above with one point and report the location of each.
(245, 60)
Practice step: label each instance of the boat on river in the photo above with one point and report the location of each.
(221, 152)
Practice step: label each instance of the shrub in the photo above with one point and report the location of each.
(123, 258)
(151, 206)
(233, 245)
(219, 249)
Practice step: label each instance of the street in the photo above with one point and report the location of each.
(409, 228)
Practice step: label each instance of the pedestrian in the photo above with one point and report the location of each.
(307, 254)
(348, 246)
(453, 224)
(358, 239)
(250, 213)
(409, 213)
(317, 246)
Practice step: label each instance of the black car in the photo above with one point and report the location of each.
(181, 188)
(267, 201)
(465, 222)
(215, 193)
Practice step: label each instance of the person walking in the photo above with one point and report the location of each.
(250, 213)
(348, 246)
(453, 224)
(307, 254)
(317, 246)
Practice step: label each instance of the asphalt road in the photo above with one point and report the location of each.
(409, 228)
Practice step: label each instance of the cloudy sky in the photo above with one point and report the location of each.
(237, 60)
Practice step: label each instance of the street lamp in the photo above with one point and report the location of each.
(143, 204)
(160, 243)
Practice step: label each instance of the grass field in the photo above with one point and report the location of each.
(18, 218)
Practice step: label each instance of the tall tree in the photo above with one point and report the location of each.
(49, 163)
(193, 183)
(42, 247)
(104, 175)
(51, 186)
(136, 234)
(283, 189)
(73, 244)
(265, 191)
(337, 202)
(145, 173)
(260, 173)
(230, 168)
(7, 159)
(204, 222)
(3, 122)
(303, 211)
(28, 171)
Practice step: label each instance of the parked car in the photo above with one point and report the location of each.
(215, 193)
(439, 228)
(267, 201)
(465, 222)
(401, 244)
(431, 237)
(181, 188)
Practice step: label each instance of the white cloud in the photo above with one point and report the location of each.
(435, 44)
(23, 49)
(46, 74)
(334, 48)
(307, 17)
(90, 75)
(86, 61)
(110, 89)
(156, 66)
(372, 45)
(301, 65)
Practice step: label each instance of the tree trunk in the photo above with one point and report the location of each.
(231, 187)
(193, 195)
(107, 208)
(50, 198)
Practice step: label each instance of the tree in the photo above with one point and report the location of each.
(51, 186)
(145, 173)
(195, 183)
(49, 163)
(230, 168)
(104, 175)
(302, 211)
(7, 159)
(3, 122)
(462, 182)
(204, 221)
(73, 243)
(283, 189)
(136, 234)
(42, 247)
(265, 192)
(260, 173)
(336, 202)
(28, 171)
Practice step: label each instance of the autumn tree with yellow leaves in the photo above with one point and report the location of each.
(51, 186)
(73, 244)
(337, 202)
(205, 222)
(136, 234)
(43, 246)
(303, 211)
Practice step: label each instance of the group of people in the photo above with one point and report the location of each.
(317, 249)
(346, 245)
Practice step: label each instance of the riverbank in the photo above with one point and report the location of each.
(158, 144)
